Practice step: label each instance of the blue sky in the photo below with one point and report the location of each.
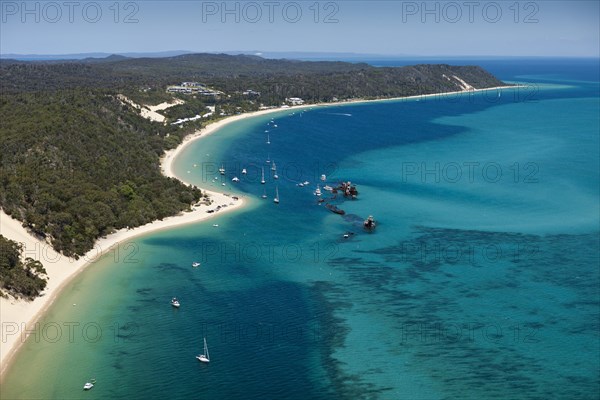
(432, 28)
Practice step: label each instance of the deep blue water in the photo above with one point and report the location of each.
(480, 281)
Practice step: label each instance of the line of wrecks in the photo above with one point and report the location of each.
(348, 190)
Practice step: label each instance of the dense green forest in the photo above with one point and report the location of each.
(76, 163)
(19, 278)
(79, 165)
(275, 79)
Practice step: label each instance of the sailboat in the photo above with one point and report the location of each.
(262, 179)
(273, 167)
(268, 140)
(268, 159)
(264, 195)
(276, 199)
(222, 170)
(205, 358)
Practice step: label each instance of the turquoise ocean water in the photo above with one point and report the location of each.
(480, 281)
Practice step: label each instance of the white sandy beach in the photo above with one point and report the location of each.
(16, 315)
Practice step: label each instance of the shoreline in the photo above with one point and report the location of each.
(61, 269)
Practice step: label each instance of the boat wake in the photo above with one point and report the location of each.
(342, 114)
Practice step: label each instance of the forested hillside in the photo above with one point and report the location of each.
(78, 165)
(19, 278)
(275, 79)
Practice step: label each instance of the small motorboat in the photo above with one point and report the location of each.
(89, 385)
(195, 264)
(235, 179)
(175, 302)
(244, 172)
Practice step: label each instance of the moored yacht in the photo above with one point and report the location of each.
(205, 358)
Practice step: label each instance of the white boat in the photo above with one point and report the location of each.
(273, 167)
(301, 184)
(323, 178)
(205, 358)
(222, 170)
(244, 172)
(175, 302)
(268, 139)
(89, 385)
(264, 195)
(306, 183)
(276, 199)
(235, 179)
(268, 159)
(195, 264)
(328, 188)
(318, 191)
(262, 178)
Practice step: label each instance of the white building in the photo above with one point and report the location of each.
(295, 101)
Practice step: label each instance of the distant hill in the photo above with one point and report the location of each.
(81, 56)
(317, 81)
